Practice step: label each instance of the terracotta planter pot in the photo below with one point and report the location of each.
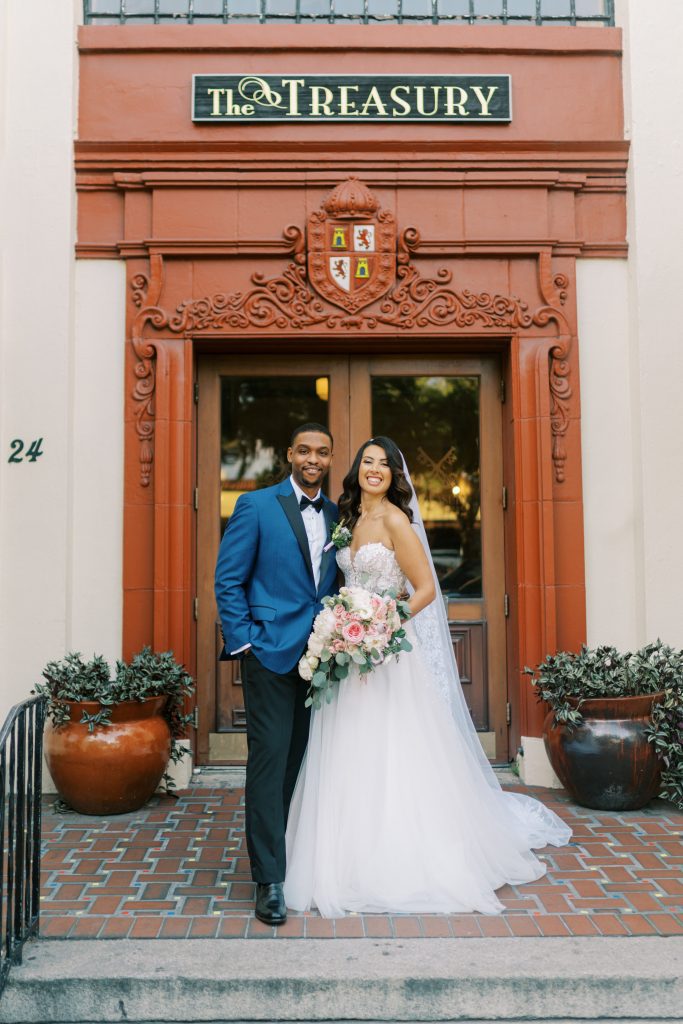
(117, 767)
(606, 762)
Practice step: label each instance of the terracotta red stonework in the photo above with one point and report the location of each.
(490, 221)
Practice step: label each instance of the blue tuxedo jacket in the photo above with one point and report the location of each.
(265, 590)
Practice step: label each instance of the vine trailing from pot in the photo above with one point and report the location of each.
(149, 674)
(567, 680)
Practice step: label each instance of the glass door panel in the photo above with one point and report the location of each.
(444, 414)
(435, 422)
(248, 408)
(258, 415)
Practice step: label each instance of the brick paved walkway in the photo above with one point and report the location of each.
(178, 869)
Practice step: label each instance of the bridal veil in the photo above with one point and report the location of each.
(540, 825)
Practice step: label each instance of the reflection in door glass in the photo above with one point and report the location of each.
(435, 422)
(258, 415)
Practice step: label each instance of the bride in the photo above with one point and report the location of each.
(396, 808)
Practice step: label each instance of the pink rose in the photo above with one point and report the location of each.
(353, 632)
(339, 611)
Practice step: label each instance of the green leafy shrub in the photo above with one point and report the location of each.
(148, 674)
(566, 679)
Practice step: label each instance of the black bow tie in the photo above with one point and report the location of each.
(304, 502)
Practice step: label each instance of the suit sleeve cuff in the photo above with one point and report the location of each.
(240, 650)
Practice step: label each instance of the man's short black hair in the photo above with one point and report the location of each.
(305, 428)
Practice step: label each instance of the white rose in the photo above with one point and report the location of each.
(325, 623)
(313, 661)
(361, 602)
(315, 646)
(305, 670)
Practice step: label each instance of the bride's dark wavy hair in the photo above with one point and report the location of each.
(399, 493)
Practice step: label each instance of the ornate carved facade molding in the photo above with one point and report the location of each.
(554, 291)
(285, 302)
(145, 294)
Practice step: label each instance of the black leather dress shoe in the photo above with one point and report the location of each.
(270, 903)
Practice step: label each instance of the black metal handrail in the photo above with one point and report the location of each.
(195, 12)
(21, 764)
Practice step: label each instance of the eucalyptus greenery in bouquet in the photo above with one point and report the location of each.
(566, 679)
(148, 674)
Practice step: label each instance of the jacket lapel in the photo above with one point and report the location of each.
(328, 555)
(291, 509)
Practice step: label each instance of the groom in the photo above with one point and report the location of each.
(271, 575)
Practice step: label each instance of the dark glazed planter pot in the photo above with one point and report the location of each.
(116, 768)
(606, 762)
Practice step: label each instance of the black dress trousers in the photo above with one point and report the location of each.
(277, 733)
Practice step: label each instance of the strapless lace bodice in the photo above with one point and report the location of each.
(373, 567)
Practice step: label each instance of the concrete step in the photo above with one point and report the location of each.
(212, 981)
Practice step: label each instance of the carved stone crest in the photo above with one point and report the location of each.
(411, 302)
(351, 247)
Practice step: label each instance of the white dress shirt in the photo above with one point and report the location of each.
(316, 532)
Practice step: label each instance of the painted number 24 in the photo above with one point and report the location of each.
(34, 450)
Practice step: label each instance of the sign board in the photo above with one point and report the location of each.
(292, 98)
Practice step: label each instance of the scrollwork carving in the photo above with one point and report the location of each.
(561, 282)
(415, 303)
(139, 285)
(554, 291)
(146, 289)
(418, 301)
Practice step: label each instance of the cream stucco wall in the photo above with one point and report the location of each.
(610, 456)
(653, 86)
(61, 369)
(631, 344)
(95, 583)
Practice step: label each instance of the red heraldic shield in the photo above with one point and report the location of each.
(351, 247)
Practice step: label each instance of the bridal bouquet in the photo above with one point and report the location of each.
(355, 627)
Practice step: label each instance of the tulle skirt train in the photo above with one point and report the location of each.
(392, 812)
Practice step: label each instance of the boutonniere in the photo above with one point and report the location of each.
(341, 537)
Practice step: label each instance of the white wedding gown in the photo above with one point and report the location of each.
(392, 812)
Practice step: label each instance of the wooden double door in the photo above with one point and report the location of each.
(445, 415)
